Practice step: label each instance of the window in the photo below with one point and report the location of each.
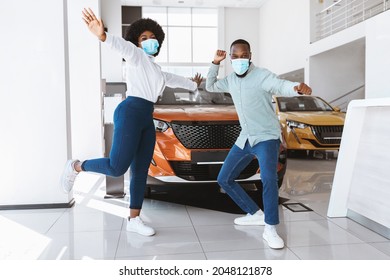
(191, 38)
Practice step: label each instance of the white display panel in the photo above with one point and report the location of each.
(361, 184)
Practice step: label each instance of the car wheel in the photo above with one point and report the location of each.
(259, 185)
(297, 153)
(148, 192)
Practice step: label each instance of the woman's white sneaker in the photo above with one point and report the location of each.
(138, 226)
(256, 219)
(272, 238)
(68, 176)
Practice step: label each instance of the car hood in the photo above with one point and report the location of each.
(315, 118)
(195, 113)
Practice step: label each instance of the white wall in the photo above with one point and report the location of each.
(284, 35)
(315, 8)
(378, 56)
(338, 71)
(50, 98)
(111, 61)
(85, 83)
(336, 40)
(241, 23)
(236, 23)
(351, 62)
(34, 93)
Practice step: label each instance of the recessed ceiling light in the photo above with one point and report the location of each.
(180, 2)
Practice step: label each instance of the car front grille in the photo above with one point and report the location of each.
(330, 135)
(207, 172)
(207, 135)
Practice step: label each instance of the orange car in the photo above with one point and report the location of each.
(309, 123)
(194, 132)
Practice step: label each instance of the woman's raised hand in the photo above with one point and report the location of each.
(94, 24)
(197, 79)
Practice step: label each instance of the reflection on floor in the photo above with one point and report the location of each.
(95, 227)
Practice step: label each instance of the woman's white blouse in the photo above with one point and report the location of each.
(144, 77)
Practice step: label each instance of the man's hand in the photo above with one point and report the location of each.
(197, 79)
(219, 56)
(303, 89)
(94, 24)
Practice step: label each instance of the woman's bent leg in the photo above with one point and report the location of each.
(127, 133)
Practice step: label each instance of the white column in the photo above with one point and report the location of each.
(85, 83)
(50, 99)
(35, 121)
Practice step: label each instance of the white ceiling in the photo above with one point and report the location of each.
(196, 3)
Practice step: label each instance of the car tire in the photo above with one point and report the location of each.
(259, 185)
(148, 192)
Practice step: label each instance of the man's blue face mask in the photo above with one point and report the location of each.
(150, 46)
(240, 65)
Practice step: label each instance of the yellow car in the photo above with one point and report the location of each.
(309, 123)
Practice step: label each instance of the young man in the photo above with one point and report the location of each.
(252, 88)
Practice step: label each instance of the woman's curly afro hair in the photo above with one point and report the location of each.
(140, 26)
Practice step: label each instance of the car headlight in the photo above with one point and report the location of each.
(294, 124)
(160, 126)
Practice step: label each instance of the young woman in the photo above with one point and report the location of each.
(134, 132)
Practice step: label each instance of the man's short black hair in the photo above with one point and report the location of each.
(240, 41)
(140, 26)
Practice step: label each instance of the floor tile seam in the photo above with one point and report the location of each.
(58, 218)
(240, 250)
(227, 224)
(371, 244)
(157, 254)
(85, 231)
(292, 251)
(173, 254)
(301, 220)
(166, 227)
(216, 225)
(119, 238)
(196, 233)
(306, 221)
(326, 244)
(352, 232)
(376, 249)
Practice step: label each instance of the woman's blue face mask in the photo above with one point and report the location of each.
(150, 46)
(240, 65)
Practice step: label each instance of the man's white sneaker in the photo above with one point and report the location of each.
(138, 226)
(256, 219)
(68, 176)
(272, 238)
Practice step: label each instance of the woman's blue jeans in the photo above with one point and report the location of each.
(267, 153)
(132, 146)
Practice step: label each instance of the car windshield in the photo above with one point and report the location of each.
(200, 97)
(302, 103)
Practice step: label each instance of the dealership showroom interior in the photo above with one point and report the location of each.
(322, 85)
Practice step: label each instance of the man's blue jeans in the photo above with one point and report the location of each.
(132, 146)
(267, 153)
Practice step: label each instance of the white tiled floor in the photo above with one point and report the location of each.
(95, 228)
